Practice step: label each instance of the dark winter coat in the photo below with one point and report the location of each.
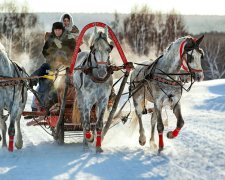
(51, 49)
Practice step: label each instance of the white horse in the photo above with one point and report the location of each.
(159, 82)
(93, 84)
(13, 95)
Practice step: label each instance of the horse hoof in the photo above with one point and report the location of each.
(99, 150)
(19, 145)
(170, 135)
(85, 148)
(160, 150)
(142, 143)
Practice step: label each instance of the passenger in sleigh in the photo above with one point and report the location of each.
(68, 24)
(67, 21)
(57, 50)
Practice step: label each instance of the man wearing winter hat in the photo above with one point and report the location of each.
(57, 50)
(59, 47)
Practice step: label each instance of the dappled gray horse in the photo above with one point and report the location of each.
(13, 95)
(159, 82)
(93, 84)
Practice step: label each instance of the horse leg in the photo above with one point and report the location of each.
(153, 122)
(86, 130)
(15, 116)
(3, 128)
(160, 127)
(19, 139)
(180, 122)
(86, 125)
(11, 133)
(138, 111)
(99, 125)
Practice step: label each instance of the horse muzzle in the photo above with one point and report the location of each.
(198, 76)
(101, 72)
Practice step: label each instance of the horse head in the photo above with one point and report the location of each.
(191, 55)
(100, 49)
(187, 55)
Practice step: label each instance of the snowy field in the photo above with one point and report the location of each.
(197, 153)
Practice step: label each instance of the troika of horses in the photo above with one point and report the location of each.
(91, 81)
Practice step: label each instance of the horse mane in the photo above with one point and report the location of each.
(168, 50)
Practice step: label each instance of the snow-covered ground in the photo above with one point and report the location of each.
(197, 153)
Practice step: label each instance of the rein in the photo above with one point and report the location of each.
(175, 82)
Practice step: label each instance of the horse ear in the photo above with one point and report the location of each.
(106, 31)
(199, 40)
(190, 44)
(95, 31)
(111, 46)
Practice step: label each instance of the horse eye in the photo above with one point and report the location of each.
(189, 58)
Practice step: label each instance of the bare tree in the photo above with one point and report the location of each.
(144, 30)
(174, 28)
(116, 24)
(19, 30)
(15, 25)
(139, 30)
(159, 40)
(214, 63)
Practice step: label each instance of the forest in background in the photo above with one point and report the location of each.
(145, 32)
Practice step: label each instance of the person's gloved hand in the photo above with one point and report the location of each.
(58, 43)
(44, 69)
(50, 75)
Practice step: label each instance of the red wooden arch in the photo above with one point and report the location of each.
(80, 37)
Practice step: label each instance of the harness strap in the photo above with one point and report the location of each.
(102, 62)
(165, 81)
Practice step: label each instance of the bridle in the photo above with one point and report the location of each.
(107, 63)
(186, 61)
(92, 52)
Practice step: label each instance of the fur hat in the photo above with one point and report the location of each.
(57, 25)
